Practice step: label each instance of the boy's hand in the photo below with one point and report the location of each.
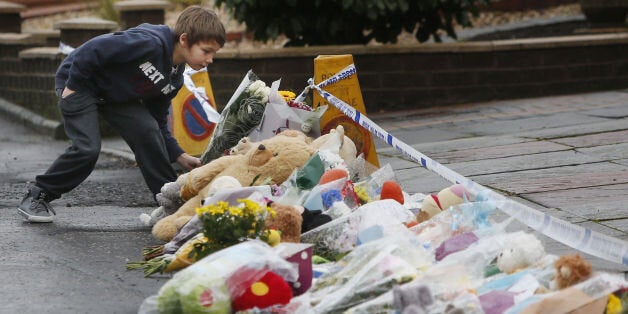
(188, 162)
(66, 92)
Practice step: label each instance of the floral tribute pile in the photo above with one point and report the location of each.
(363, 245)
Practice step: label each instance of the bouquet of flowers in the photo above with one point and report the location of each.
(225, 225)
(242, 113)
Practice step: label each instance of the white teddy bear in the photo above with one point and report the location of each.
(525, 250)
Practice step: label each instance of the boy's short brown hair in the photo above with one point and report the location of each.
(200, 24)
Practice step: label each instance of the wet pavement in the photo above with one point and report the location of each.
(564, 155)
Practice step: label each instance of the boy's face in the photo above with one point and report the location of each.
(200, 54)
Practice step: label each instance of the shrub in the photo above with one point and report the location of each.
(107, 11)
(330, 22)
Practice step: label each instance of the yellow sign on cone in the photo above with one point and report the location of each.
(188, 121)
(349, 91)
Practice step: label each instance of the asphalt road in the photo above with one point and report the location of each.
(76, 264)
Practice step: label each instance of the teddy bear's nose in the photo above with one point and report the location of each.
(261, 147)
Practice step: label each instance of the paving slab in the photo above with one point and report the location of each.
(498, 151)
(577, 130)
(604, 138)
(555, 179)
(600, 202)
(524, 124)
(511, 165)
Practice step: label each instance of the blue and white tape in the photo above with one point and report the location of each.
(345, 73)
(577, 237)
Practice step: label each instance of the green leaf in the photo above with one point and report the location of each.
(321, 22)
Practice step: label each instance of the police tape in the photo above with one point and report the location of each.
(577, 237)
(345, 73)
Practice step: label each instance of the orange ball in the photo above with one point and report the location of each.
(391, 191)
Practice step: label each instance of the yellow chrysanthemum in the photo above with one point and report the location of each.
(614, 305)
(362, 194)
(201, 210)
(250, 206)
(218, 210)
(224, 206)
(236, 211)
(287, 95)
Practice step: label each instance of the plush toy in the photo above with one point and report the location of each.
(271, 162)
(337, 141)
(168, 199)
(243, 146)
(433, 204)
(525, 250)
(267, 291)
(287, 221)
(412, 299)
(417, 299)
(570, 270)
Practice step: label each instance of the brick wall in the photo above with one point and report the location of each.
(396, 78)
(391, 77)
(28, 81)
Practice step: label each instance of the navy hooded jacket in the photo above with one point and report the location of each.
(128, 66)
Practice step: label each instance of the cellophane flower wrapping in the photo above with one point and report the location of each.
(208, 285)
(280, 116)
(368, 271)
(340, 236)
(242, 113)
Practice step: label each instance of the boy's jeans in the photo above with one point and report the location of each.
(134, 123)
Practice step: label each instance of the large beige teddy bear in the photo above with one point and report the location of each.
(271, 161)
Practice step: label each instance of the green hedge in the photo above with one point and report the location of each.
(335, 22)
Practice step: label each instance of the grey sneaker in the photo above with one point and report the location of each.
(35, 207)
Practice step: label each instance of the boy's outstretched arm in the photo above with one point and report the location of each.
(188, 162)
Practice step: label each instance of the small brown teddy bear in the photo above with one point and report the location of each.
(570, 270)
(271, 162)
(287, 221)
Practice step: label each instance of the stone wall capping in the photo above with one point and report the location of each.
(458, 47)
(558, 42)
(41, 53)
(44, 33)
(46, 36)
(133, 5)
(10, 7)
(86, 23)
(19, 39)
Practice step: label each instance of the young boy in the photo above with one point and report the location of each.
(128, 78)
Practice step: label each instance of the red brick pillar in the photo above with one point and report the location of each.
(10, 18)
(136, 12)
